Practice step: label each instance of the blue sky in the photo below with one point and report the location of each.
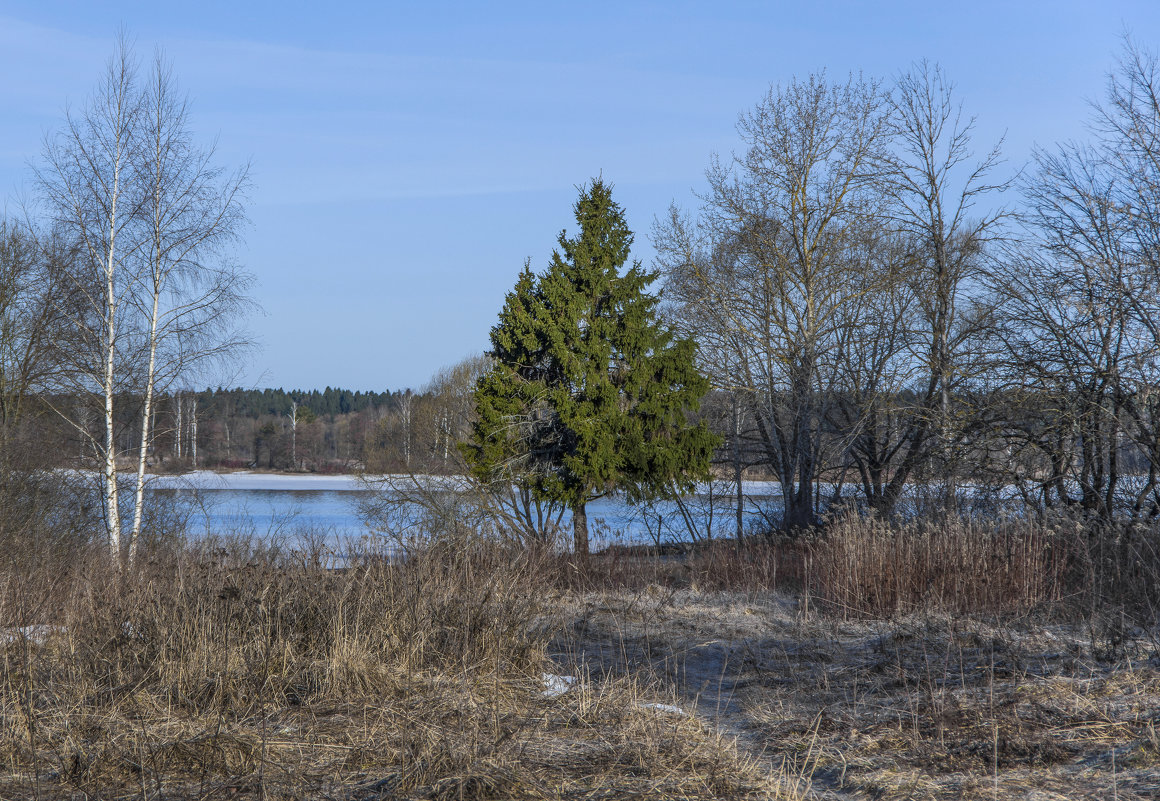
(407, 158)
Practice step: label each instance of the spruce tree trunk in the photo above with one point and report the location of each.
(580, 529)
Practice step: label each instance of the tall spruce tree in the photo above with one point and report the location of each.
(589, 392)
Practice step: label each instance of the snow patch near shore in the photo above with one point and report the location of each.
(35, 634)
(555, 686)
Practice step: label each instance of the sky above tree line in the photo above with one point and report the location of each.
(407, 158)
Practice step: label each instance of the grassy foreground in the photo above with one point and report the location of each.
(965, 669)
(226, 673)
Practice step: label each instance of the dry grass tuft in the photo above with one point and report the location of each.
(966, 661)
(870, 568)
(922, 706)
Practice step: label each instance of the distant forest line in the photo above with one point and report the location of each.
(332, 430)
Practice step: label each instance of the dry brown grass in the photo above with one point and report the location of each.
(921, 706)
(870, 568)
(873, 662)
(963, 660)
(863, 567)
(230, 672)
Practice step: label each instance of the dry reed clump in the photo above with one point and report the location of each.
(236, 671)
(866, 567)
(1115, 569)
(863, 567)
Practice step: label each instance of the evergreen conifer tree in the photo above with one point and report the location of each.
(589, 392)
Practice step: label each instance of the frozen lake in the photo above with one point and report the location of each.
(268, 505)
(271, 506)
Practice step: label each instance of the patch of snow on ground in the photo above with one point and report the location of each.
(555, 686)
(668, 709)
(35, 634)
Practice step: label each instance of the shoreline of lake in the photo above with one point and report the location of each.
(251, 480)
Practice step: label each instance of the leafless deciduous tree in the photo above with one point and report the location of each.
(769, 273)
(33, 298)
(153, 218)
(436, 494)
(933, 187)
(39, 507)
(87, 181)
(189, 292)
(832, 280)
(1080, 309)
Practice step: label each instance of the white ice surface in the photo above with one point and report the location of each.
(207, 479)
(245, 480)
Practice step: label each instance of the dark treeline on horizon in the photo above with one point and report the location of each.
(322, 403)
(328, 430)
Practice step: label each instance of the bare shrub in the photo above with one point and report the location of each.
(1115, 569)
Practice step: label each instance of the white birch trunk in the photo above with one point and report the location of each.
(446, 436)
(294, 434)
(146, 417)
(112, 512)
(193, 431)
(406, 409)
(737, 473)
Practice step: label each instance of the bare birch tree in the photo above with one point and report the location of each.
(88, 181)
(188, 293)
(153, 218)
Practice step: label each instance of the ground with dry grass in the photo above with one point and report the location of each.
(235, 673)
(981, 664)
(922, 706)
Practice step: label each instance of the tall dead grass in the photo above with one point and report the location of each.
(1069, 567)
(235, 670)
(866, 567)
